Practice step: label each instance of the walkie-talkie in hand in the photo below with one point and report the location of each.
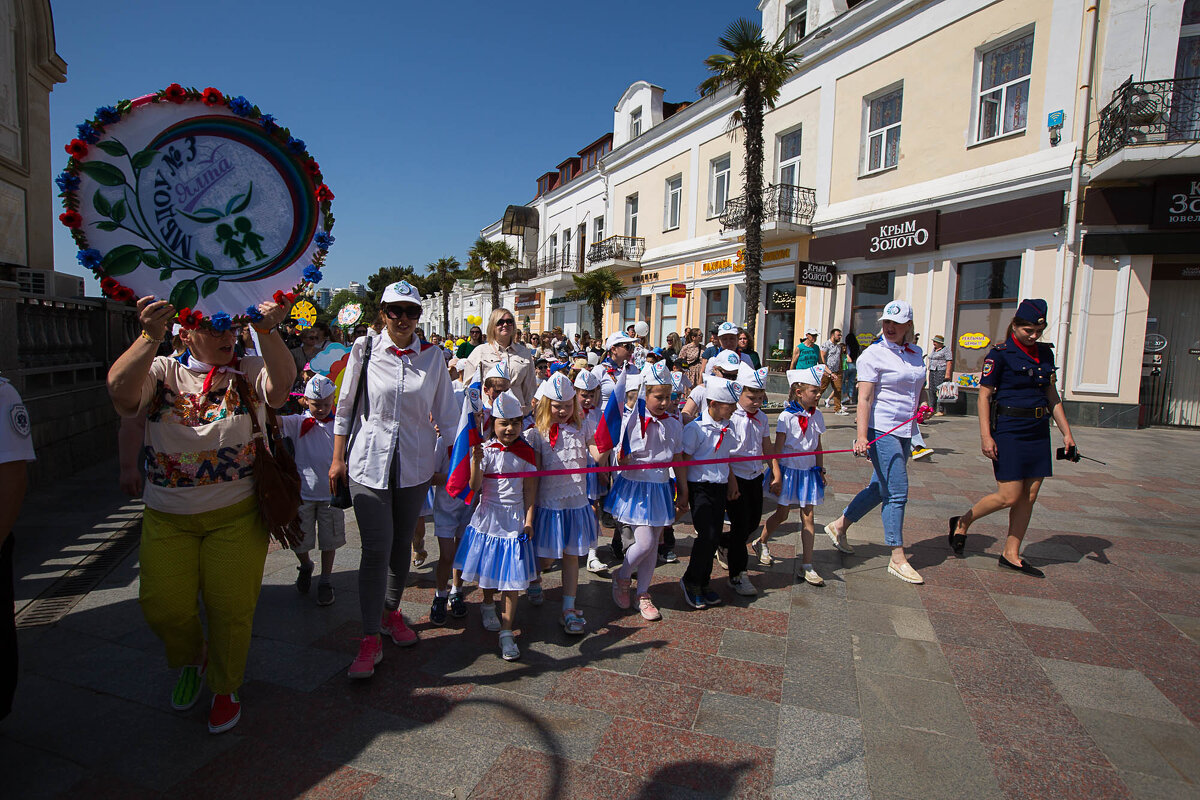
(1072, 454)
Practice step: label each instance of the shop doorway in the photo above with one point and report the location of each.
(1170, 389)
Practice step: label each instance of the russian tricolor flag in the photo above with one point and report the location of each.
(458, 480)
(608, 432)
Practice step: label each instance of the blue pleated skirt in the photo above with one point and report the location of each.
(505, 563)
(801, 487)
(568, 531)
(595, 489)
(641, 502)
(427, 506)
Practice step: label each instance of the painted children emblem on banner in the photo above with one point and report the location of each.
(197, 197)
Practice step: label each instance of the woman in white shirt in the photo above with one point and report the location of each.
(503, 346)
(891, 378)
(393, 449)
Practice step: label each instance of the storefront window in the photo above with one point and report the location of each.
(986, 301)
(779, 327)
(716, 309)
(668, 314)
(872, 291)
(628, 314)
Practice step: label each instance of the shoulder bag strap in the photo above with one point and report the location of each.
(358, 394)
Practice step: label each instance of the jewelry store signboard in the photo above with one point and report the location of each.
(822, 276)
(1176, 203)
(914, 233)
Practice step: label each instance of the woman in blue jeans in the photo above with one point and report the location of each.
(891, 377)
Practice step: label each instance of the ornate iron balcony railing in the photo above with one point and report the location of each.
(1151, 112)
(625, 248)
(556, 264)
(781, 203)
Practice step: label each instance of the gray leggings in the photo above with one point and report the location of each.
(386, 519)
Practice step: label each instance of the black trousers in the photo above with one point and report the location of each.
(8, 629)
(744, 515)
(708, 517)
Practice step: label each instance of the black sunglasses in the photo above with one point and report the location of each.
(405, 309)
(505, 321)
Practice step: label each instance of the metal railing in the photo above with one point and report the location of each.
(625, 248)
(781, 203)
(556, 264)
(514, 275)
(1150, 112)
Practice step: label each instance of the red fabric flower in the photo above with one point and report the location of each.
(71, 219)
(323, 194)
(314, 169)
(212, 97)
(108, 286)
(77, 148)
(280, 297)
(175, 93)
(124, 295)
(189, 319)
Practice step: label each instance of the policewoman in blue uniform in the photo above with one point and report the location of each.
(1017, 400)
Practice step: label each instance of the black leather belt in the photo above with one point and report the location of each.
(1014, 411)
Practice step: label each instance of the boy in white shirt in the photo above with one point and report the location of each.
(322, 524)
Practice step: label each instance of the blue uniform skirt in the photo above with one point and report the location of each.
(801, 487)
(641, 502)
(427, 506)
(595, 489)
(568, 531)
(1022, 448)
(506, 563)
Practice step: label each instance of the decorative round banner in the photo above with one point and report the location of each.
(199, 197)
(974, 341)
(349, 314)
(305, 314)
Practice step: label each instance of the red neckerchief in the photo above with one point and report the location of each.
(646, 420)
(1031, 353)
(554, 434)
(804, 420)
(720, 439)
(520, 448)
(398, 353)
(309, 422)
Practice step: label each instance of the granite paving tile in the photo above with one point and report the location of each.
(897, 656)
(974, 603)
(1170, 602)
(1168, 656)
(886, 590)
(922, 764)
(756, 647)
(902, 621)
(1008, 583)
(36, 773)
(903, 701)
(1067, 645)
(616, 694)
(1043, 611)
(1023, 778)
(968, 632)
(1189, 626)
(682, 634)
(742, 719)
(524, 773)
(754, 620)
(1148, 787)
(1152, 747)
(1109, 689)
(715, 673)
(822, 756)
(96, 786)
(1184, 692)
(294, 774)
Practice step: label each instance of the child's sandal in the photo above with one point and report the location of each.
(573, 622)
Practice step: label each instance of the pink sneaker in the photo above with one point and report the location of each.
(370, 653)
(648, 609)
(620, 590)
(402, 635)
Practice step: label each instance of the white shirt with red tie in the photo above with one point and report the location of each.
(704, 438)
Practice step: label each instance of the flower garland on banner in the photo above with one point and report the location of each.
(159, 222)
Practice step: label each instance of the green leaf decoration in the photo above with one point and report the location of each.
(101, 204)
(164, 257)
(113, 148)
(150, 259)
(166, 273)
(102, 173)
(212, 215)
(231, 209)
(118, 210)
(209, 286)
(121, 260)
(143, 159)
(185, 294)
(107, 226)
(204, 261)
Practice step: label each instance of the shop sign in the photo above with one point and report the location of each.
(527, 300)
(678, 290)
(781, 254)
(811, 274)
(974, 341)
(555, 301)
(915, 233)
(865, 339)
(737, 263)
(1176, 203)
(645, 277)
(782, 300)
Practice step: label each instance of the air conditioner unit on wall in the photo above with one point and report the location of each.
(48, 283)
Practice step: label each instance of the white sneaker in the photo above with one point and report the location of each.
(722, 557)
(811, 577)
(491, 622)
(741, 585)
(842, 413)
(595, 565)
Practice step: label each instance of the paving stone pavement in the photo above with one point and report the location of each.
(979, 684)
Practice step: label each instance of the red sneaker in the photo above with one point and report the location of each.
(225, 712)
(394, 626)
(370, 653)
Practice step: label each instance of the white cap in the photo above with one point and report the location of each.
(401, 292)
(897, 311)
(727, 360)
(617, 338)
(721, 390)
(507, 406)
(728, 328)
(752, 378)
(586, 381)
(810, 376)
(593, 358)
(641, 328)
(319, 388)
(812, 332)
(678, 382)
(556, 387)
(633, 381)
(656, 374)
(452, 363)
(498, 370)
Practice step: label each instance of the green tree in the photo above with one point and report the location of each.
(384, 277)
(595, 288)
(441, 276)
(488, 259)
(757, 71)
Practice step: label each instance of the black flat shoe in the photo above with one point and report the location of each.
(958, 541)
(1024, 567)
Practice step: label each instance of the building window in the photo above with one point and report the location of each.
(984, 305)
(872, 291)
(553, 247)
(674, 197)
(1004, 88)
(797, 21)
(779, 327)
(628, 313)
(631, 212)
(716, 308)
(883, 130)
(557, 315)
(581, 236)
(635, 123)
(668, 315)
(598, 235)
(789, 158)
(718, 186)
(566, 251)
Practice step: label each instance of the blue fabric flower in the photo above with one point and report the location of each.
(220, 322)
(87, 132)
(107, 115)
(67, 182)
(89, 258)
(268, 121)
(296, 146)
(311, 273)
(253, 313)
(240, 106)
(323, 239)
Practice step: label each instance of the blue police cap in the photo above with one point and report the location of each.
(1032, 311)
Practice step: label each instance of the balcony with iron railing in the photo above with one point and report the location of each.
(617, 252)
(558, 264)
(786, 209)
(1163, 113)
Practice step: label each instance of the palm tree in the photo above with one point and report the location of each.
(757, 71)
(596, 288)
(441, 277)
(488, 258)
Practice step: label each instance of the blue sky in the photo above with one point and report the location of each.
(428, 119)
